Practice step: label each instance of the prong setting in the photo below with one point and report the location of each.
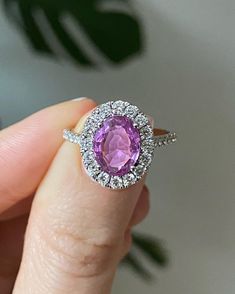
(94, 122)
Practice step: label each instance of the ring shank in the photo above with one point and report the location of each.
(160, 132)
(161, 137)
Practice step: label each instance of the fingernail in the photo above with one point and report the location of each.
(151, 120)
(79, 99)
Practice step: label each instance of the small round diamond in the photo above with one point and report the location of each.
(93, 169)
(118, 107)
(146, 132)
(129, 179)
(103, 178)
(139, 170)
(145, 159)
(89, 129)
(147, 146)
(88, 157)
(105, 110)
(131, 111)
(118, 104)
(86, 144)
(65, 134)
(141, 120)
(116, 182)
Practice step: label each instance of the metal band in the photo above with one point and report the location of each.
(161, 137)
(71, 136)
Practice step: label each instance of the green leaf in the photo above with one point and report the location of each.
(152, 248)
(116, 34)
(133, 262)
(25, 21)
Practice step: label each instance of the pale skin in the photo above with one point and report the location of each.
(73, 236)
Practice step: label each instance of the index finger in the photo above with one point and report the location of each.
(27, 148)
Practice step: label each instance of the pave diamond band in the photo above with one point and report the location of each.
(159, 140)
(163, 137)
(117, 144)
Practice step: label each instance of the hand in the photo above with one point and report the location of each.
(77, 231)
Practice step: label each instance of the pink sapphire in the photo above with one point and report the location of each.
(117, 145)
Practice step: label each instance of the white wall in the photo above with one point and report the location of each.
(186, 80)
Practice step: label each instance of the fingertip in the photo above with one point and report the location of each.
(85, 101)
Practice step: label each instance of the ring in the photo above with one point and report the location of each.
(117, 144)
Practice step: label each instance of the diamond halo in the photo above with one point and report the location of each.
(94, 122)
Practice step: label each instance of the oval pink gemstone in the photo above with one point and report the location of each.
(117, 145)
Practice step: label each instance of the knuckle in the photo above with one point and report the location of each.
(78, 255)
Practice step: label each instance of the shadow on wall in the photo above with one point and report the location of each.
(111, 26)
(186, 80)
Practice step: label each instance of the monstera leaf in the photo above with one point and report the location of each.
(114, 32)
(151, 248)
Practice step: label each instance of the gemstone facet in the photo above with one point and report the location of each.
(117, 145)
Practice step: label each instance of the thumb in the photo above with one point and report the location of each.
(77, 231)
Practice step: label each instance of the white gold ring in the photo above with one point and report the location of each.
(117, 144)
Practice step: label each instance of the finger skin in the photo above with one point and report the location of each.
(12, 233)
(11, 246)
(22, 207)
(141, 208)
(77, 229)
(28, 147)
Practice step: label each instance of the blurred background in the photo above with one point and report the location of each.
(176, 61)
